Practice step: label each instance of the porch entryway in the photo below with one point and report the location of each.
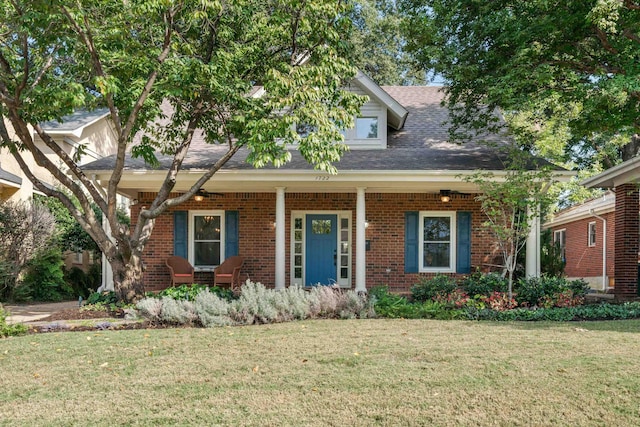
(321, 248)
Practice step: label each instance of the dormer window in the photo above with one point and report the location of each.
(367, 128)
(304, 129)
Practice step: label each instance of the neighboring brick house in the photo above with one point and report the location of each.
(580, 231)
(624, 179)
(397, 209)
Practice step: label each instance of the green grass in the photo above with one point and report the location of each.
(360, 372)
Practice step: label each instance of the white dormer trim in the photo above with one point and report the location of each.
(396, 113)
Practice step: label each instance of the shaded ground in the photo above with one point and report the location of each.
(25, 313)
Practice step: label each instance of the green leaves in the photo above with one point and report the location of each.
(524, 56)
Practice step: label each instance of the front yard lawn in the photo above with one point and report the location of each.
(328, 372)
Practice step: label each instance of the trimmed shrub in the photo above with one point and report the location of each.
(428, 289)
(587, 312)
(545, 290)
(484, 284)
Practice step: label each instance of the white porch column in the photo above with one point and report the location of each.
(280, 243)
(532, 263)
(361, 259)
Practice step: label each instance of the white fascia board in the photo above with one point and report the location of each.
(398, 113)
(620, 174)
(6, 183)
(305, 181)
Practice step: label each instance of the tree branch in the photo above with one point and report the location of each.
(630, 35)
(73, 167)
(604, 40)
(630, 4)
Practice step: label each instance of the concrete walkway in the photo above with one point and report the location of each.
(34, 312)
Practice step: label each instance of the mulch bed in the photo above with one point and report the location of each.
(57, 321)
(80, 314)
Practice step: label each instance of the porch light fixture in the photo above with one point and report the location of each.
(445, 196)
(200, 195)
(366, 223)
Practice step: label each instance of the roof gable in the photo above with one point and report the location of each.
(396, 113)
(75, 123)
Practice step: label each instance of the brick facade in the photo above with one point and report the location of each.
(385, 213)
(585, 261)
(626, 242)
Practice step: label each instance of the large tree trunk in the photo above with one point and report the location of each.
(632, 149)
(127, 278)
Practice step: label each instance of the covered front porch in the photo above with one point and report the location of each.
(352, 229)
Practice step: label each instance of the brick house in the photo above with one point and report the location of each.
(397, 209)
(586, 235)
(623, 179)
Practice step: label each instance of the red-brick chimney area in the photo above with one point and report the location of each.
(626, 242)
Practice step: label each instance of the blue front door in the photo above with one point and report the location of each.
(321, 246)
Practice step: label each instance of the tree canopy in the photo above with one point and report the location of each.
(379, 45)
(202, 57)
(570, 66)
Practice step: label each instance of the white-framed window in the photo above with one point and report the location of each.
(77, 257)
(206, 239)
(367, 128)
(591, 230)
(437, 241)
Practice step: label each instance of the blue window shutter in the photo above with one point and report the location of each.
(411, 242)
(180, 230)
(463, 255)
(231, 233)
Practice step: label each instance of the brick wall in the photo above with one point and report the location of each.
(581, 259)
(385, 213)
(626, 242)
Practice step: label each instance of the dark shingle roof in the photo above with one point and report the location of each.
(422, 144)
(76, 120)
(8, 176)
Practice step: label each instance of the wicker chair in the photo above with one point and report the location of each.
(227, 274)
(181, 270)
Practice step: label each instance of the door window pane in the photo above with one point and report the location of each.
(321, 226)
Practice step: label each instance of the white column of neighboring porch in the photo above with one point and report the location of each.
(107, 272)
(280, 243)
(532, 262)
(361, 242)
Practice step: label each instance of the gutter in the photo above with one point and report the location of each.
(604, 248)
